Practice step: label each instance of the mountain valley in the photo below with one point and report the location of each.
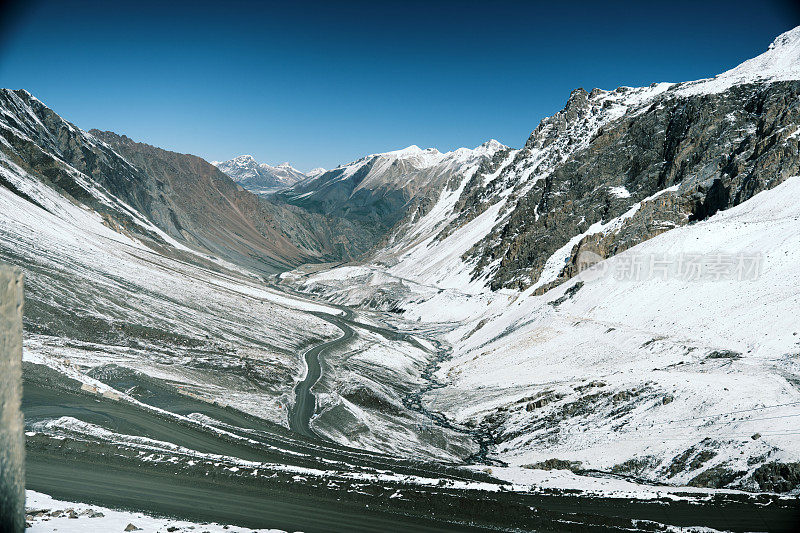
(477, 339)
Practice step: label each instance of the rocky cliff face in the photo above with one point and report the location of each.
(669, 161)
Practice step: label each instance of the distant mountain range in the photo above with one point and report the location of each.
(380, 190)
(261, 178)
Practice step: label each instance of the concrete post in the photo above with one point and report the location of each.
(12, 439)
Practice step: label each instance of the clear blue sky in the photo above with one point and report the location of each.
(322, 83)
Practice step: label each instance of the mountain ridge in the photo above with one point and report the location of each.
(380, 190)
(260, 178)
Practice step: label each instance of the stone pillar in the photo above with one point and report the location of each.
(12, 438)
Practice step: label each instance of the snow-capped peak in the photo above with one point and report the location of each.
(410, 151)
(244, 159)
(245, 170)
(789, 39)
(489, 148)
(283, 167)
(492, 144)
(781, 62)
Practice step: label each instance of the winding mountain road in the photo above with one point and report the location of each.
(109, 473)
(305, 402)
(106, 473)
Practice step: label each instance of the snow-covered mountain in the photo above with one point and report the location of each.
(612, 169)
(260, 178)
(410, 168)
(380, 190)
(639, 367)
(102, 268)
(672, 360)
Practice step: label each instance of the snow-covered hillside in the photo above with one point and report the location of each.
(104, 285)
(95, 297)
(675, 361)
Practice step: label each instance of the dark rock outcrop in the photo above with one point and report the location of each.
(680, 159)
(778, 477)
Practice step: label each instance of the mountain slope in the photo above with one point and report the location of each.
(157, 195)
(380, 190)
(197, 204)
(662, 375)
(637, 367)
(610, 170)
(106, 286)
(164, 197)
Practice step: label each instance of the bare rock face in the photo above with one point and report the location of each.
(677, 160)
(12, 440)
(778, 477)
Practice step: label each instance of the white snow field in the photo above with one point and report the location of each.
(643, 369)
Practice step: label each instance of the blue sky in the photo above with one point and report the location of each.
(323, 83)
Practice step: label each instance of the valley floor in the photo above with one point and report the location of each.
(132, 442)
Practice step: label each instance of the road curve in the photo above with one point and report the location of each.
(305, 402)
